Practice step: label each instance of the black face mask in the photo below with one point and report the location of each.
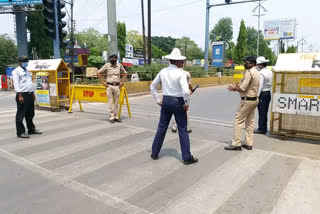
(113, 61)
(246, 66)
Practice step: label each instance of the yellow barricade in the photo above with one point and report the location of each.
(238, 73)
(96, 94)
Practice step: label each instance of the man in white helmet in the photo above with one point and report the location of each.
(175, 102)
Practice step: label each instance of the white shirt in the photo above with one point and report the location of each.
(265, 80)
(174, 83)
(22, 80)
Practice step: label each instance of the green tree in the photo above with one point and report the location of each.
(292, 49)
(134, 39)
(8, 53)
(166, 44)
(264, 49)
(156, 52)
(240, 49)
(92, 38)
(94, 51)
(229, 50)
(95, 61)
(122, 35)
(222, 29)
(38, 38)
(186, 45)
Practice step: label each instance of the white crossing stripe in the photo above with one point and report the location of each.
(98, 161)
(81, 145)
(43, 139)
(212, 191)
(135, 179)
(302, 194)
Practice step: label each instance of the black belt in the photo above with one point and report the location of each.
(26, 93)
(173, 98)
(114, 84)
(249, 98)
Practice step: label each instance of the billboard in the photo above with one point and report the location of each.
(19, 2)
(279, 29)
(218, 54)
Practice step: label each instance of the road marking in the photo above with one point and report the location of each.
(104, 197)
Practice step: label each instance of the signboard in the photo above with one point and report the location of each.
(298, 62)
(218, 54)
(296, 104)
(279, 29)
(46, 64)
(137, 52)
(42, 89)
(67, 59)
(19, 2)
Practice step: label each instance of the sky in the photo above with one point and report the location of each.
(178, 18)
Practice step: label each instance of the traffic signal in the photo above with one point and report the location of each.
(62, 23)
(49, 22)
(227, 1)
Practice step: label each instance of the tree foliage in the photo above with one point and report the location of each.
(240, 49)
(134, 39)
(8, 53)
(122, 35)
(96, 61)
(166, 44)
(292, 49)
(264, 49)
(156, 52)
(38, 37)
(186, 45)
(93, 39)
(222, 29)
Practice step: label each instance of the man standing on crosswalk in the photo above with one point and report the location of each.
(175, 102)
(25, 98)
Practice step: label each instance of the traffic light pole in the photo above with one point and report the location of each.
(208, 6)
(56, 40)
(21, 32)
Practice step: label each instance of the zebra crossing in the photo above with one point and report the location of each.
(111, 163)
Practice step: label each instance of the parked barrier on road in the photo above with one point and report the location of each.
(96, 94)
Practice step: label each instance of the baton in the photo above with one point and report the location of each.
(195, 88)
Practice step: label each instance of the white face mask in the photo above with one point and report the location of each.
(258, 68)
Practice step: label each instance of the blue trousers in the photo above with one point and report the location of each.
(172, 106)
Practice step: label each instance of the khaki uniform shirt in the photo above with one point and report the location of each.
(250, 83)
(113, 72)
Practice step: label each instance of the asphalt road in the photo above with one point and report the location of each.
(83, 164)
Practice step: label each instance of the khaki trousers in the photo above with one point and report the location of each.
(244, 115)
(113, 93)
(174, 124)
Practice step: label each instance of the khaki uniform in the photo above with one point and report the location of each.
(245, 112)
(174, 124)
(113, 90)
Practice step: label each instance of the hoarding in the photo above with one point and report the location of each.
(19, 2)
(279, 29)
(297, 104)
(218, 54)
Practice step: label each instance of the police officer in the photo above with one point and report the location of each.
(25, 97)
(174, 123)
(175, 102)
(113, 85)
(264, 94)
(248, 90)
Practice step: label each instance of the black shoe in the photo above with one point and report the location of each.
(23, 135)
(174, 130)
(118, 120)
(246, 147)
(35, 132)
(190, 161)
(189, 131)
(111, 121)
(154, 157)
(233, 148)
(257, 131)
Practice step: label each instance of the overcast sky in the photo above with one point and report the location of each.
(177, 18)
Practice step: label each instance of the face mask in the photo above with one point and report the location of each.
(246, 66)
(25, 64)
(258, 68)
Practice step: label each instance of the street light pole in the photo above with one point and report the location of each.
(208, 6)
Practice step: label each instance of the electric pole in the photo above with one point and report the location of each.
(72, 37)
(112, 27)
(259, 6)
(21, 31)
(143, 33)
(149, 32)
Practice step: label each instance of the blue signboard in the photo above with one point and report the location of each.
(9, 70)
(67, 59)
(19, 2)
(218, 54)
